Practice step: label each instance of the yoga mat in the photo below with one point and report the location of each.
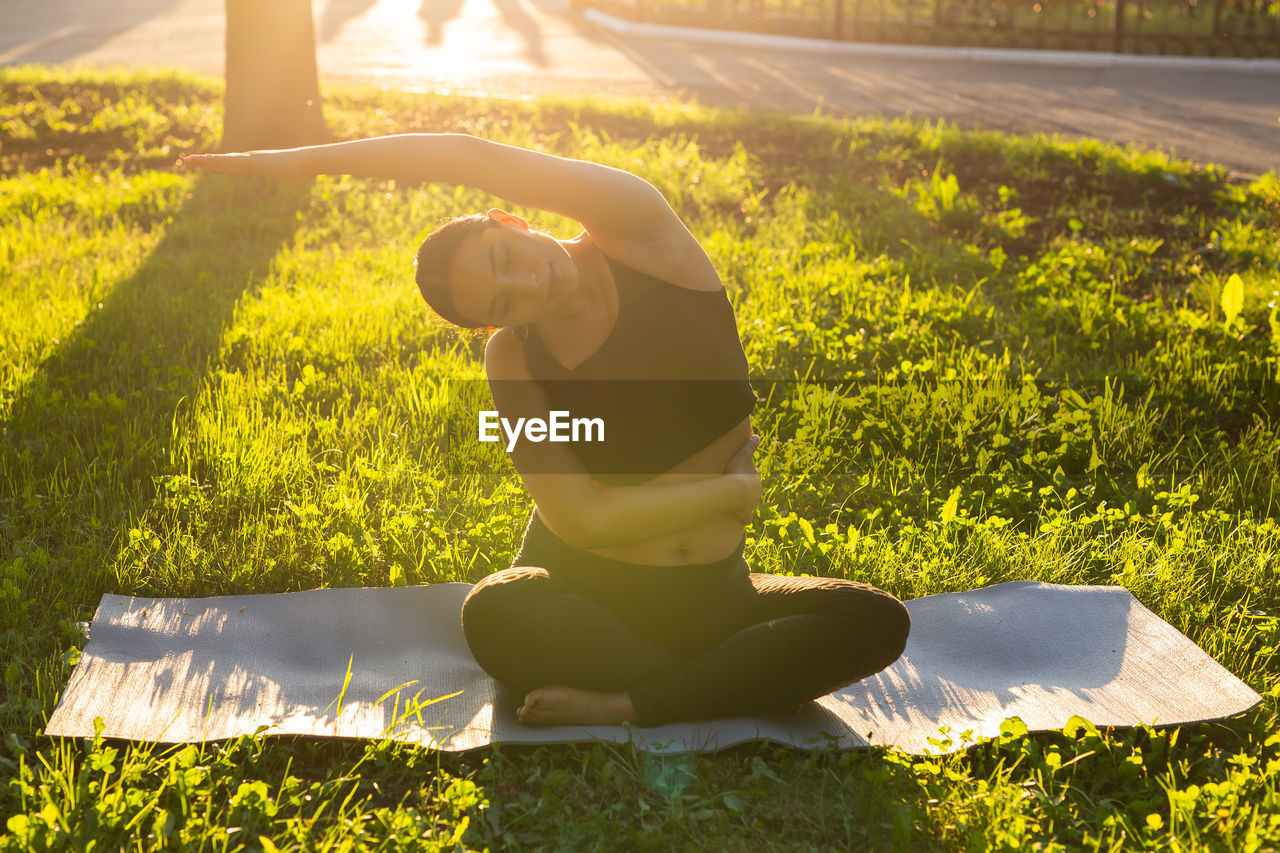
(365, 663)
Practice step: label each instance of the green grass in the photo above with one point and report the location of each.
(985, 358)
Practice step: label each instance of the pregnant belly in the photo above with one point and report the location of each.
(706, 541)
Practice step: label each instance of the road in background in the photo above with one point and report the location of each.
(532, 47)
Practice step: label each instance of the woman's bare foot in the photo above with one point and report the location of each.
(563, 706)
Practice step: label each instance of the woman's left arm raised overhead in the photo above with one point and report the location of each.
(610, 203)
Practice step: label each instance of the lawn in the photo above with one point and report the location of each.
(982, 357)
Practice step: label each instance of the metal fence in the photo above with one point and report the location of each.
(1241, 28)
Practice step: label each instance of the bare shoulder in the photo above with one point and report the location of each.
(504, 356)
(672, 254)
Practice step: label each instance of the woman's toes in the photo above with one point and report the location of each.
(529, 710)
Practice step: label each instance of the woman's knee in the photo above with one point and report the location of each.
(491, 611)
(879, 624)
(895, 622)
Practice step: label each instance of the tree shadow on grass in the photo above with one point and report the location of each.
(93, 429)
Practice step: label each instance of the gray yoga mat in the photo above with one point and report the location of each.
(393, 662)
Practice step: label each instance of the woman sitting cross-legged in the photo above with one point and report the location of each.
(629, 599)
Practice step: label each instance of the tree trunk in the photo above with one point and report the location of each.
(273, 94)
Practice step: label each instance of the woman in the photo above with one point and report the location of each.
(629, 599)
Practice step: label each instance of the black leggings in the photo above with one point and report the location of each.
(685, 642)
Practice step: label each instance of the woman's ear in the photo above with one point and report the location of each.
(499, 215)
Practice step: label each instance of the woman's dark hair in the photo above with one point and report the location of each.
(434, 257)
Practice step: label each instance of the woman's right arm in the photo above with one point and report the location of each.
(610, 203)
(587, 517)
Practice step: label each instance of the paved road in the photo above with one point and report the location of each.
(514, 47)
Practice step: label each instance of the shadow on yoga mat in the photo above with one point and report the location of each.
(393, 662)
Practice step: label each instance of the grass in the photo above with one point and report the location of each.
(984, 358)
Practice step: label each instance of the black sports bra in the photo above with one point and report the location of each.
(669, 380)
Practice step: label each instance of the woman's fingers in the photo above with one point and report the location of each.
(219, 162)
(753, 492)
(741, 465)
(741, 460)
(285, 165)
(748, 447)
(745, 465)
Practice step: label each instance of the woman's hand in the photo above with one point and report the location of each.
(285, 164)
(742, 467)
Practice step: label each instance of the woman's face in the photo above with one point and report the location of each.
(511, 275)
